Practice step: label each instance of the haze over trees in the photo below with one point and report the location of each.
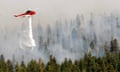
(79, 45)
(108, 63)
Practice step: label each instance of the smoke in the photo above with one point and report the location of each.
(65, 39)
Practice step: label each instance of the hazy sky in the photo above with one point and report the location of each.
(50, 10)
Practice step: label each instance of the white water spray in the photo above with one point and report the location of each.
(30, 32)
(27, 40)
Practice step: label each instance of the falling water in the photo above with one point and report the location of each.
(30, 32)
(27, 39)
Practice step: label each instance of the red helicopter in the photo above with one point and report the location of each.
(28, 12)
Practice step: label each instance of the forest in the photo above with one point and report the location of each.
(110, 62)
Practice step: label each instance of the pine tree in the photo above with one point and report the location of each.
(2, 64)
(17, 68)
(66, 66)
(114, 45)
(82, 64)
(52, 66)
(33, 66)
(75, 67)
(41, 66)
(9, 66)
(92, 45)
(23, 67)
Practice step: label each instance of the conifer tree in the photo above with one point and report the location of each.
(41, 65)
(23, 67)
(52, 66)
(2, 64)
(9, 66)
(33, 66)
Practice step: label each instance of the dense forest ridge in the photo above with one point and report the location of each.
(108, 63)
